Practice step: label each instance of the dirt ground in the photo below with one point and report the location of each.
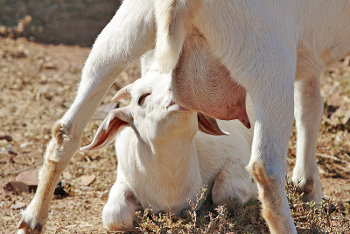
(50, 21)
(38, 83)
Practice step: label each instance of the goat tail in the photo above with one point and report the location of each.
(173, 18)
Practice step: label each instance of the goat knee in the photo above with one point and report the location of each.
(233, 182)
(117, 216)
(62, 145)
(119, 211)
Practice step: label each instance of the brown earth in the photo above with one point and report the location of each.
(51, 21)
(38, 83)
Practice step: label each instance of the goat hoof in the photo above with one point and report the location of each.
(25, 228)
(117, 218)
(30, 223)
(312, 191)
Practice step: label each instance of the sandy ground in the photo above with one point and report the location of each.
(38, 83)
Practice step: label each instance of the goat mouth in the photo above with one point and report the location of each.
(172, 103)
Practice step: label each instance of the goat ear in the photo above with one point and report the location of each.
(209, 125)
(122, 93)
(108, 129)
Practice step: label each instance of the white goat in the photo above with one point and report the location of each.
(276, 50)
(162, 160)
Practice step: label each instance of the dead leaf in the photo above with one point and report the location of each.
(6, 137)
(18, 187)
(86, 180)
(29, 177)
(18, 205)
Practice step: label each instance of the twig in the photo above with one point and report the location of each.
(25, 169)
(346, 168)
(328, 157)
(6, 137)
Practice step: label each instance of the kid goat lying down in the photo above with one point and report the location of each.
(162, 157)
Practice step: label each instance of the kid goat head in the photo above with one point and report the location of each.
(153, 114)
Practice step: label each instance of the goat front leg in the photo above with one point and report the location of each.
(119, 211)
(129, 34)
(233, 182)
(308, 114)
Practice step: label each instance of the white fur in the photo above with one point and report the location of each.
(163, 160)
(267, 45)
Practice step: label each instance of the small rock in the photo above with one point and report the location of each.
(330, 109)
(67, 175)
(11, 150)
(23, 145)
(29, 177)
(61, 190)
(18, 205)
(3, 151)
(19, 54)
(103, 195)
(86, 180)
(50, 66)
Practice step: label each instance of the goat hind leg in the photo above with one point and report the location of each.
(308, 113)
(129, 34)
(55, 160)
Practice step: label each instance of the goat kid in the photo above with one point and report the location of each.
(162, 158)
(276, 50)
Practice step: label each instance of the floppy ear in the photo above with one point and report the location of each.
(122, 93)
(108, 129)
(209, 125)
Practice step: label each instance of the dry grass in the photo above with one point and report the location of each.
(326, 217)
(38, 83)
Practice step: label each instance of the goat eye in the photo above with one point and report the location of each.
(142, 98)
